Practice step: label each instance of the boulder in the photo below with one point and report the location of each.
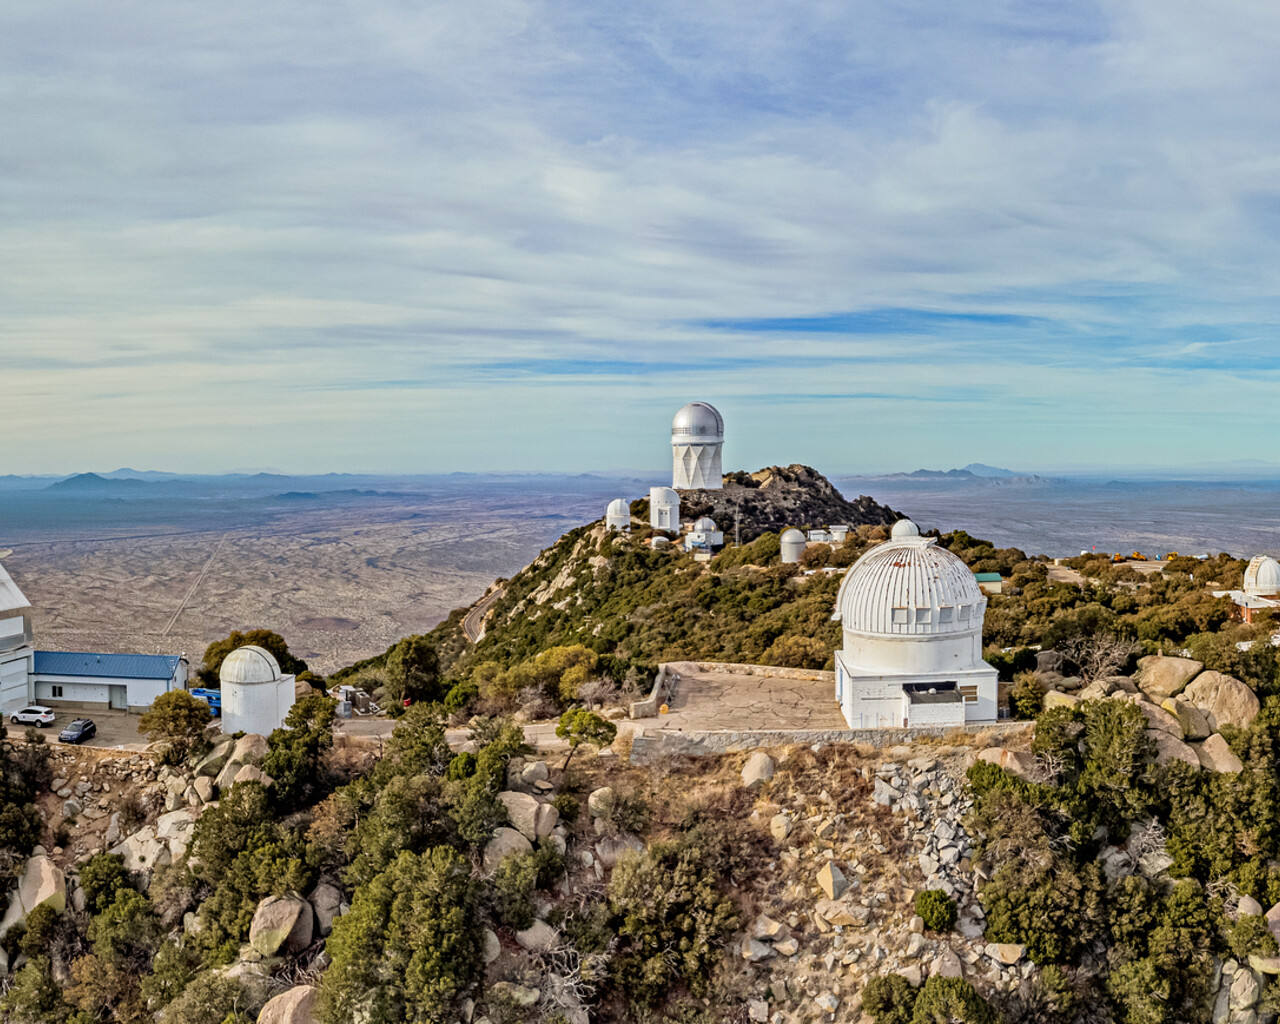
(1159, 718)
(1228, 700)
(1248, 907)
(204, 788)
(535, 771)
(281, 925)
(492, 947)
(1216, 756)
(143, 852)
(757, 771)
(505, 842)
(227, 775)
(538, 937)
(522, 810)
(1245, 989)
(1273, 921)
(600, 802)
(1007, 953)
(1054, 699)
(611, 850)
(251, 773)
(1050, 661)
(1191, 720)
(1160, 677)
(780, 826)
(328, 905)
(1170, 749)
(546, 821)
(297, 1006)
(41, 882)
(217, 758)
(831, 881)
(249, 749)
(1015, 761)
(753, 950)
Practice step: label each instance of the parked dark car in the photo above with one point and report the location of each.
(78, 731)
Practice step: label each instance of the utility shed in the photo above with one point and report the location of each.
(989, 582)
(101, 681)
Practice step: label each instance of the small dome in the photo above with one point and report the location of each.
(908, 588)
(698, 421)
(792, 536)
(664, 496)
(1262, 577)
(618, 507)
(705, 525)
(251, 664)
(904, 528)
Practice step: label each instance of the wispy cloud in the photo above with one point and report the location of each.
(323, 234)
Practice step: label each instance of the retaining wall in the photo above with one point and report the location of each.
(654, 744)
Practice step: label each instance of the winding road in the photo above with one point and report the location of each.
(473, 624)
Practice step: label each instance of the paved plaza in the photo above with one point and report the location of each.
(733, 701)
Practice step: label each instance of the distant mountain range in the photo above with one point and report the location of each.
(974, 473)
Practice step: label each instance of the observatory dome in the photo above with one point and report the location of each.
(618, 507)
(705, 525)
(908, 588)
(251, 664)
(698, 421)
(1262, 577)
(792, 536)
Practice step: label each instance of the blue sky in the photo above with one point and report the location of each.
(409, 236)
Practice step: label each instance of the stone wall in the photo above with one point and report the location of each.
(646, 747)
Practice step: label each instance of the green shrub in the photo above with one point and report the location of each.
(512, 890)
(1026, 698)
(937, 909)
(889, 999)
(461, 697)
(463, 766)
(951, 1001)
(568, 806)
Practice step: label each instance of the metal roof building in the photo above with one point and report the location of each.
(122, 681)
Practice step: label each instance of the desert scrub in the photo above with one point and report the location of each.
(937, 909)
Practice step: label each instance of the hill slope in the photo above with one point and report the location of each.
(772, 499)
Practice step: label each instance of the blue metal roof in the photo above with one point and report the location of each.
(115, 666)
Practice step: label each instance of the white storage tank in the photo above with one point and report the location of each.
(255, 696)
(793, 543)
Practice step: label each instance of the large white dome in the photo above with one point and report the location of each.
(250, 664)
(1262, 577)
(910, 587)
(618, 507)
(698, 422)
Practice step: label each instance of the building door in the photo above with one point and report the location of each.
(119, 698)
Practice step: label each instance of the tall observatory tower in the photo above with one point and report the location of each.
(697, 435)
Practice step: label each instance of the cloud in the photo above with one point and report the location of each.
(326, 233)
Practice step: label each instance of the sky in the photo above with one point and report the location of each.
(417, 237)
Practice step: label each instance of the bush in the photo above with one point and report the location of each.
(568, 806)
(512, 892)
(580, 726)
(1026, 699)
(889, 999)
(937, 908)
(176, 718)
(101, 877)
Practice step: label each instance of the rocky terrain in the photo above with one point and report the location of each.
(775, 498)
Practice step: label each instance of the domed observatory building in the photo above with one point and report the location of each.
(664, 509)
(618, 515)
(256, 697)
(697, 435)
(705, 534)
(792, 544)
(912, 615)
(1261, 588)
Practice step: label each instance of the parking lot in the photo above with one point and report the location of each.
(116, 729)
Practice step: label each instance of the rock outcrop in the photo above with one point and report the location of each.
(297, 1006)
(1225, 698)
(1160, 677)
(281, 924)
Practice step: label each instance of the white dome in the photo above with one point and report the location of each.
(792, 536)
(904, 528)
(251, 664)
(664, 496)
(1262, 576)
(698, 421)
(618, 507)
(705, 525)
(910, 587)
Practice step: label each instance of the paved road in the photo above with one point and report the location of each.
(473, 624)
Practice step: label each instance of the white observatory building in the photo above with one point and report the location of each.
(16, 654)
(912, 615)
(664, 509)
(1261, 587)
(255, 696)
(705, 534)
(792, 543)
(618, 515)
(697, 435)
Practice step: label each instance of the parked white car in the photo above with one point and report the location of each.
(34, 715)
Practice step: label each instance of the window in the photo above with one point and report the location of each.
(56, 691)
(924, 614)
(946, 614)
(900, 616)
(964, 612)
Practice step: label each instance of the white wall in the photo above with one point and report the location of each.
(936, 714)
(912, 656)
(15, 672)
(75, 690)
